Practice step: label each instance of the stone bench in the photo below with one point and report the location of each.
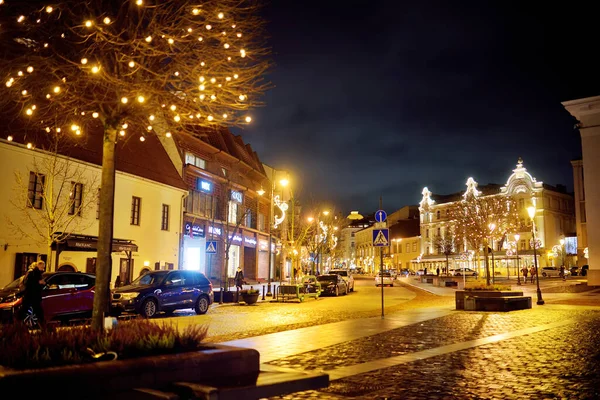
(502, 303)
(461, 294)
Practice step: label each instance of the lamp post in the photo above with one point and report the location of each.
(562, 251)
(517, 236)
(492, 226)
(273, 223)
(531, 212)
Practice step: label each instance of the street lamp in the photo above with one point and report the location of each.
(492, 226)
(517, 236)
(531, 212)
(274, 223)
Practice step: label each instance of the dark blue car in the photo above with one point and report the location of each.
(164, 291)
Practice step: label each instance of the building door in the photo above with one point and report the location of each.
(90, 266)
(249, 266)
(125, 271)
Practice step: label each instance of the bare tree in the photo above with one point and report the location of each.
(445, 245)
(124, 68)
(54, 200)
(478, 220)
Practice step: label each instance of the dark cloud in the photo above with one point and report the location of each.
(383, 98)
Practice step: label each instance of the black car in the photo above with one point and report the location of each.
(333, 284)
(164, 291)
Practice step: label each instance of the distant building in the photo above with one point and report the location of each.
(348, 239)
(554, 220)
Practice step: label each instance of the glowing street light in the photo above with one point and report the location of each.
(531, 212)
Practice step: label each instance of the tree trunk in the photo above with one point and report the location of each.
(447, 269)
(105, 230)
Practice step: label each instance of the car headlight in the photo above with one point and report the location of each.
(129, 296)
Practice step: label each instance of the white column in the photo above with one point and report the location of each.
(587, 112)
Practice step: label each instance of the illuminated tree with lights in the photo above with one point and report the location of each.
(129, 69)
(479, 220)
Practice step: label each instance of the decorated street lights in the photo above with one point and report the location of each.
(492, 226)
(535, 245)
(274, 222)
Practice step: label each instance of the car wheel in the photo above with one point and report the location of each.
(30, 319)
(149, 308)
(201, 305)
(544, 274)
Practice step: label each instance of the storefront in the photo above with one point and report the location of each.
(194, 246)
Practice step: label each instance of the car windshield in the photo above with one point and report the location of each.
(342, 273)
(150, 278)
(327, 278)
(16, 283)
(385, 274)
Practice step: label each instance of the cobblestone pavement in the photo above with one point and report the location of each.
(557, 363)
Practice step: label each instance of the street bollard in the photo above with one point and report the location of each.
(263, 292)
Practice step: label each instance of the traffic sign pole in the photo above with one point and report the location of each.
(381, 272)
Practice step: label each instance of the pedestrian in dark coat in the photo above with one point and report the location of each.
(32, 295)
(239, 278)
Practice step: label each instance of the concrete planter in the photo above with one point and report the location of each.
(250, 298)
(106, 378)
(461, 294)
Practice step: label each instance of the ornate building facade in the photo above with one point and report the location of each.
(554, 220)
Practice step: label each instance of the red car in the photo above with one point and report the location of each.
(66, 296)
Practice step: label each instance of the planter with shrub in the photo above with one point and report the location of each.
(64, 360)
(250, 296)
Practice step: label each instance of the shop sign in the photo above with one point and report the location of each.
(236, 196)
(264, 245)
(214, 230)
(204, 186)
(249, 241)
(194, 230)
(236, 238)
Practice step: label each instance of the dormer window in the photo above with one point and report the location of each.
(194, 160)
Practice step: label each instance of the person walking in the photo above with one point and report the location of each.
(562, 272)
(532, 273)
(32, 312)
(239, 278)
(524, 271)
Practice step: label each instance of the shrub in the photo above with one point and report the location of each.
(483, 286)
(249, 291)
(21, 348)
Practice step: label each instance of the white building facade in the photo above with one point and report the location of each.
(147, 213)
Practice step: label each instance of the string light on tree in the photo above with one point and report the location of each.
(100, 70)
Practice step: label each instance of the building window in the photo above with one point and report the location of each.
(437, 214)
(232, 218)
(136, 204)
(400, 249)
(165, 218)
(98, 205)
(427, 233)
(248, 218)
(408, 247)
(261, 222)
(36, 190)
(194, 160)
(224, 171)
(439, 231)
(75, 198)
(200, 203)
(414, 247)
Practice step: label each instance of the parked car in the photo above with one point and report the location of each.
(66, 296)
(574, 270)
(551, 272)
(406, 272)
(347, 275)
(164, 291)
(420, 272)
(333, 284)
(387, 279)
(461, 271)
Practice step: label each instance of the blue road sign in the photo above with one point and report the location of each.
(211, 247)
(380, 216)
(381, 237)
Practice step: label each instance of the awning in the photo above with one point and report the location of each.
(90, 243)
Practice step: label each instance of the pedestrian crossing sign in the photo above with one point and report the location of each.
(381, 237)
(211, 247)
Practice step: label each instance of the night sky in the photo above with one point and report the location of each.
(381, 98)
